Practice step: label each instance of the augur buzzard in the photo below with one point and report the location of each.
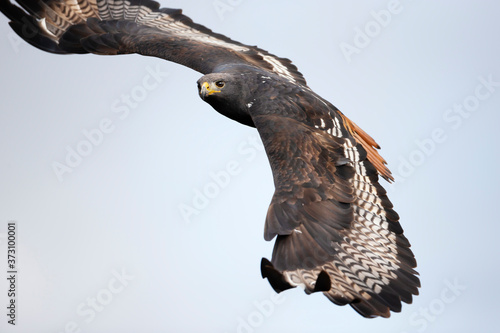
(336, 230)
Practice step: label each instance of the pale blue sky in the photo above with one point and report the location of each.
(425, 85)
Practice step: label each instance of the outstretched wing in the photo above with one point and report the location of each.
(336, 229)
(111, 27)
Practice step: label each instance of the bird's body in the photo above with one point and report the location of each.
(335, 229)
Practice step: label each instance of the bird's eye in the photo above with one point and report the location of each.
(220, 84)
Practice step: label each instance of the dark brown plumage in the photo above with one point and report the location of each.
(336, 230)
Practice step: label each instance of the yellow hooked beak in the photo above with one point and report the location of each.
(207, 89)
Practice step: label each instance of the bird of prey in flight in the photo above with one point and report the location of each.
(335, 228)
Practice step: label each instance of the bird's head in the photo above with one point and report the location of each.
(206, 88)
(220, 86)
(227, 93)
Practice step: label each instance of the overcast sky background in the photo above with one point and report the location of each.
(118, 213)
